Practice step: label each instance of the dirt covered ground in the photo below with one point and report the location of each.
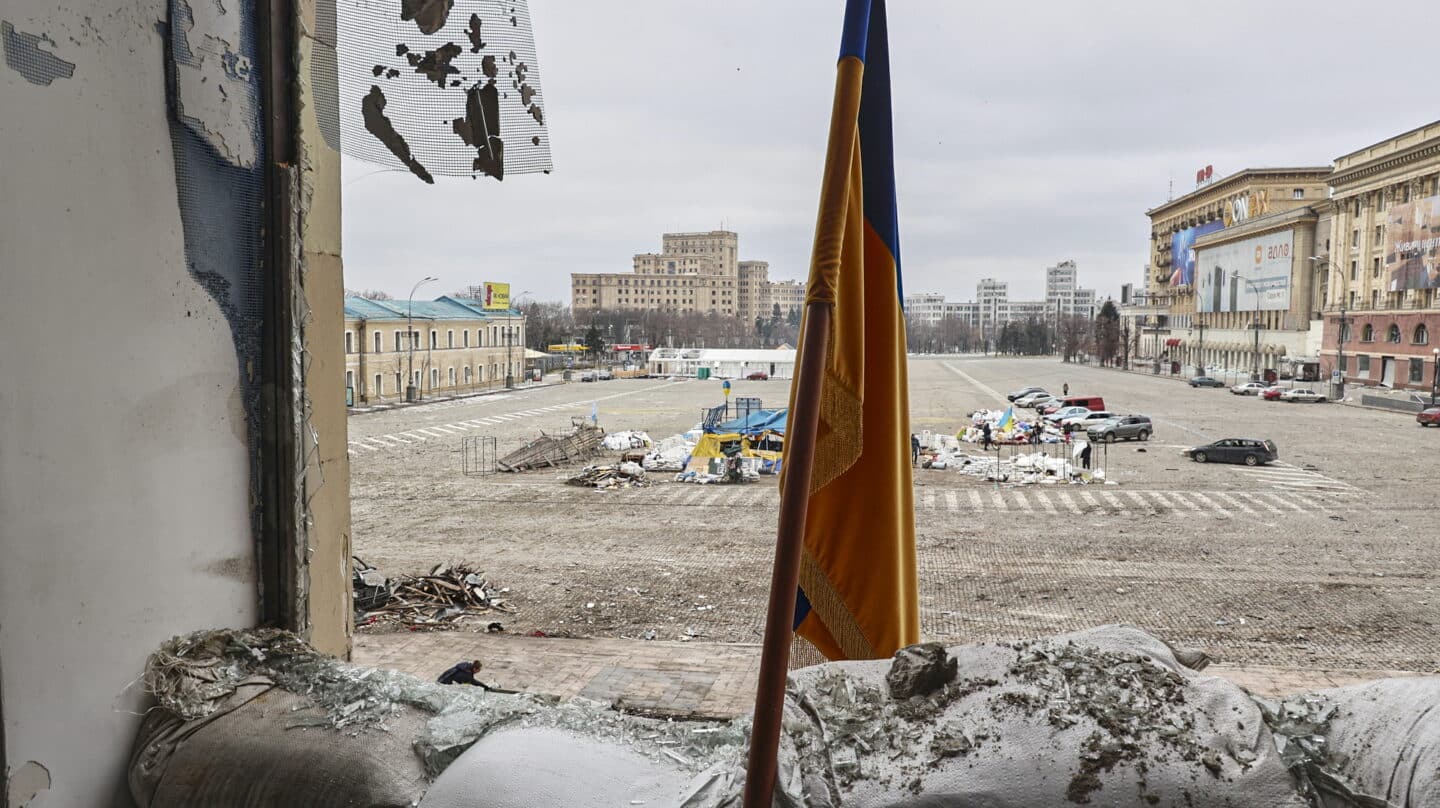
(1326, 559)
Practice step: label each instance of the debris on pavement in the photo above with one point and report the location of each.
(620, 441)
(624, 475)
(669, 454)
(549, 451)
(450, 595)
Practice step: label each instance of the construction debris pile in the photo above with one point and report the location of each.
(939, 451)
(621, 441)
(671, 453)
(449, 597)
(1007, 429)
(549, 451)
(606, 478)
(1108, 716)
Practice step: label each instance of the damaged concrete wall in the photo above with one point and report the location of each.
(328, 470)
(125, 510)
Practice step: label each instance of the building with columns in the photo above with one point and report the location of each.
(1230, 261)
(1380, 263)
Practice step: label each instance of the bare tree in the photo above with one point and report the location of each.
(369, 294)
(1107, 333)
(1073, 331)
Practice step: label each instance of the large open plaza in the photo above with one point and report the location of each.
(1320, 561)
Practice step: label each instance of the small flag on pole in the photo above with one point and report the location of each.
(1007, 419)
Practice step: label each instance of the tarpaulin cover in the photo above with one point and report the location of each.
(758, 421)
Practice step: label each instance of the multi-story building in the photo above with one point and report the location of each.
(992, 306)
(448, 345)
(789, 294)
(693, 272)
(1063, 293)
(1230, 269)
(1380, 263)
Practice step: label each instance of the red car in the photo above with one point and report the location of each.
(1272, 393)
(1428, 417)
(758, 376)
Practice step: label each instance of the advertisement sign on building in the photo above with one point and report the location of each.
(1182, 252)
(497, 295)
(1248, 275)
(1412, 246)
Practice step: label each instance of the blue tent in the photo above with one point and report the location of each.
(758, 421)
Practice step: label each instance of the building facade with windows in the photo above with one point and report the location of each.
(1381, 263)
(1231, 258)
(450, 345)
(692, 273)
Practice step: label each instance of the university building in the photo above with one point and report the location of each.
(992, 306)
(692, 273)
(443, 346)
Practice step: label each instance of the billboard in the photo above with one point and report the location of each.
(1182, 252)
(1247, 275)
(1412, 246)
(497, 295)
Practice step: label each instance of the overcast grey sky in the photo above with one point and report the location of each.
(1026, 133)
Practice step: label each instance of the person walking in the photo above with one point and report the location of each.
(914, 449)
(1085, 457)
(1065, 389)
(985, 433)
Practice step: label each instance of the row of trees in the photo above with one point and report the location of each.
(1106, 338)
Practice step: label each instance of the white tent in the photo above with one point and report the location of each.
(724, 363)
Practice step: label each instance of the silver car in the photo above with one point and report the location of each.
(1125, 427)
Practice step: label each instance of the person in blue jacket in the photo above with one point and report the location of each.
(462, 673)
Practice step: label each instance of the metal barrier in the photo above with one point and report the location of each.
(477, 455)
(1388, 403)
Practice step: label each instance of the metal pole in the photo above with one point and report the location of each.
(1340, 362)
(789, 544)
(410, 386)
(1435, 379)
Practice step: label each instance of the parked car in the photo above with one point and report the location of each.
(1250, 451)
(1041, 402)
(604, 376)
(1206, 381)
(1079, 422)
(1024, 391)
(1062, 413)
(1430, 416)
(1030, 398)
(1127, 427)
(1273, 393)
(1088, 402)
(1302, 395)
(758, 376)
(587, 376)
(1248, 389)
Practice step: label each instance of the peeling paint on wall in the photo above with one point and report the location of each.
(26, 783)
(24, 55)
(214, 91)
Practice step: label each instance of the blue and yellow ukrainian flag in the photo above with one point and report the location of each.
(858, 592)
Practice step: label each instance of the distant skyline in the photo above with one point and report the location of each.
(1022, 139)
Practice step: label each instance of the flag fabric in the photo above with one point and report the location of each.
(858, 593)
(1007, 419)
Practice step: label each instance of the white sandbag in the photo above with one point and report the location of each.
(1372, 744)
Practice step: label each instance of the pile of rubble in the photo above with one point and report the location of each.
(606, 478)
(621, 441)
(1007, 428)
(669, 454)
(448, 597)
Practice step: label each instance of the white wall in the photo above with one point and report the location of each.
(123, 469)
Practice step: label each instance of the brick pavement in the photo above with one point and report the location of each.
(692, 680)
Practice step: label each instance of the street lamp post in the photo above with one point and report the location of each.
(1435, 378)
(1255, 324)
(1344, 323)
(410, 388)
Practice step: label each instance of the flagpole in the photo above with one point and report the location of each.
(804, 424)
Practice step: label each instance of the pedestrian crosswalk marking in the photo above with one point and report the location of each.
(1045, 503)
(1112, 499)
(1235, 502)
(927, 501)
(363, 446)
(1139, 500)
(1069, 502)
(1021, 501)
(1209, 503)
(975, 500)
(952, 501)
(1090, 499)
(999, 501)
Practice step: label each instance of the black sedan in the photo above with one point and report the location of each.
(1250, 451)
(1206, 381)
